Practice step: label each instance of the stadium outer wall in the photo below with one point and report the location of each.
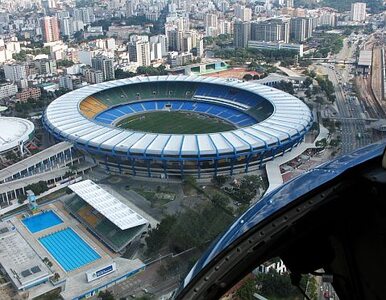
(200, 166)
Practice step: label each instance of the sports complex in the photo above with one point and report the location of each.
(173, 126)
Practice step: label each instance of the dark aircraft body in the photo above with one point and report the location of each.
(332, 218)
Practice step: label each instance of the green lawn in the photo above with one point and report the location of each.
(175, 122)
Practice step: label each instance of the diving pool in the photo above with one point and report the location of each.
(69, 249)
(42, 221)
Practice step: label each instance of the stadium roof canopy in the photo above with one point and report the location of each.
(13, 131)
(290, 118)
(109, 206)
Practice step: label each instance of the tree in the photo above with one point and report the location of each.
(253, 65)
(247, 77)
(220, 180)
(106, 295)
(321, 143)
(246, 291)
(307, 82)
(37, 188)
(11, 156)
(56, 276)
(21, 198)
(159, 235)
(73, 168)
(220, 200)
(21, 56)
(120, 74)
(64, 63)
(151, 71)
(275, 285)
(285, 86)
(319, 100)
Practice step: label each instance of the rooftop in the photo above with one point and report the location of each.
(13, 130)
(33, 160)
(23, 265)
(365, 58)
(109, 206)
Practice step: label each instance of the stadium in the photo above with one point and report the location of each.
(174, 126)
(15, 134)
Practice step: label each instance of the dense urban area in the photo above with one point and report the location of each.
(137, 228)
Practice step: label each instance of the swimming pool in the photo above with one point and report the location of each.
(42, 221)
(68, 249)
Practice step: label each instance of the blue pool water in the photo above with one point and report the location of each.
(42, 221)
(68, 249)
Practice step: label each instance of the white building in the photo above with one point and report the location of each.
(225, 27)
(162, 39)
(358, 12)
(200, 47)
(327, 19)
(15, 72)
(8, 90)
(66, 26)
(276, 46)
(275, 264)
(139, 50)
(85, 56)
(211, 25)
(243, 13)
(93, 76)
(155, 51)
(65, 82)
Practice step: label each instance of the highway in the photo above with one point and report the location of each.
(351, 112)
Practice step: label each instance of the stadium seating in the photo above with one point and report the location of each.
(146, 91)
(121, 98)
(91, 107)
(227, 113)
(114, 237)
(149, 105)
(88, 214)
(262, 111)
(228, 93)
(202, 107)
(137, 107)
(76, 204)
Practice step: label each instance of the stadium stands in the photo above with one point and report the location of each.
(115, 238)
(226, 113)
(227, 93)
(92, 106)
(110, 105)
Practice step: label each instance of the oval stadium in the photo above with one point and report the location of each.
(175, 126)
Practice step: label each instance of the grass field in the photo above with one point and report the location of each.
(174, 122)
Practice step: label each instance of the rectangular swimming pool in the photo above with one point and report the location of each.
(69, 249)
(42, 221)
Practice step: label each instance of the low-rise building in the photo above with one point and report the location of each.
(276, 46)
(28, 93)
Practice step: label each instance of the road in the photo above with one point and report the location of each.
(145, 282)
(351, 111)
(348, 131)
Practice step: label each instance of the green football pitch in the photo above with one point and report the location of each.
(175, 122)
